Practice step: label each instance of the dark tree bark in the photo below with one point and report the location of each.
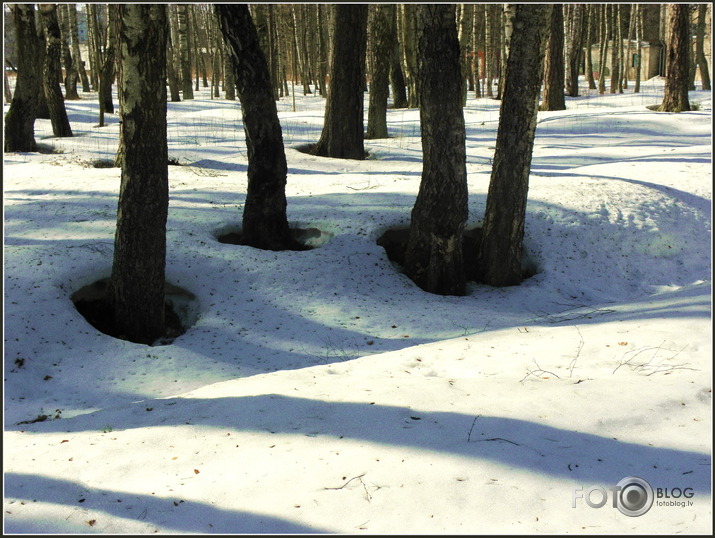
(591, 14)
(343, 130)
(433, 257)
(138, 270)
(382, 19)
(6, 88)
(94, 44)
(476, 36)
(20, 118)
(397, 78)
(700, 48)
(503, 228)
(464, 15)
(68, 61)
(604, 33)
(322, 63)
(172, 79)
(617, 46)
(108, 68)
(575, 47)
(488, 50)
(263, 20)
(74, 38)
(408, 33)
(554, 70)
(639, 51)
(51, 72)
(187, 90)
(229, 70)
(677, 62)
(265, 224)
(114, 16)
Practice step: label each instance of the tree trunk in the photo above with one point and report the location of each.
(114, 16)
(95, 43)
(603, 50)
(700, 48)
(171, 76)
(74, 38)
(71, 75)
(8, 93)
(397, 78)
(229, 70)
(554, 63)
(200, 43)
(265, 224)
(488, 56)
(503, 228)
(628, 55)
(677, 62)
(138, 270)
(616, 47)
(108, 68)
(382, 17)
(575, 48)
(639, 51)
(475, 52)
(409, 50)
(262, 17)
(508, 12)
(187, 88)
(433, 257)
(20, 118)
(322, 63)
(464, 14)
(55, 102)
(343, 130)
(590, 19)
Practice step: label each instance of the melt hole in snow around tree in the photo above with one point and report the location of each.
(102, 163)
(309, 237)
(181, 309)
(394, 241)
(310, 150)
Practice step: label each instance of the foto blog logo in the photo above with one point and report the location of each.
(632, 496)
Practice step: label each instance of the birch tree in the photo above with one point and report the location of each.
(503, 228)
(434, 256)
(138, 268)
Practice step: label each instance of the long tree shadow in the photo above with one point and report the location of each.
(175, 514)
(515, 443)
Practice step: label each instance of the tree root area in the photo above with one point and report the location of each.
(300, 240)
(394, 241)
(95, 305)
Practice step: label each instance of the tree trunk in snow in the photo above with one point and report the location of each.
(554, 70)
(265, 224)
(503, 228)
(433, 257)
(138, 270)
(20, 118)
(575, 47)
(700, 47)
(51, 72)
(677, 62)
(343, 131)
(382, 18)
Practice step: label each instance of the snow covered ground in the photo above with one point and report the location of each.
(322, 391)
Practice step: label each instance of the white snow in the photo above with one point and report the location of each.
(322, 391)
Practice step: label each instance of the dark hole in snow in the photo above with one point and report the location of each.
(310, 150)
(306, 238)
(394, 241)
(92, 301)
(102, 163)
